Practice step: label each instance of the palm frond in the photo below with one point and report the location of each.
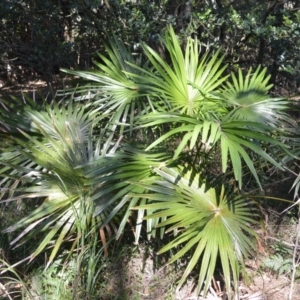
(187, 83)
(117, 93)
(250, 101)
(210, 225)
(235, 137)
(54, 167)
(78, 171)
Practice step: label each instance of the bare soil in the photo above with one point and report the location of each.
(138, 277)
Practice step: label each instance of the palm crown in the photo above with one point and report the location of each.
(83, 161)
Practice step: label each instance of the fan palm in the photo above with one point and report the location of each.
(72, 156)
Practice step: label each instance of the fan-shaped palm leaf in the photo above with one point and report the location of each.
(116, 94)
(77, 170)
(240, 117)
(55, 169)
(250, 101)
(189, 81)
(210, 225)
(235, 138)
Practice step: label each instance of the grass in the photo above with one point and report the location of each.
(128, 273)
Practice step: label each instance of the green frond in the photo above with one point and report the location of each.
(117, 93)
(250, 101)
(188, 81)
(81, 176)
(236, 138)
(210, 225)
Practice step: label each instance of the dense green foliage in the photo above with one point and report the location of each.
(41, 37)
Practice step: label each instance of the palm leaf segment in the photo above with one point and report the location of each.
(209, 225)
